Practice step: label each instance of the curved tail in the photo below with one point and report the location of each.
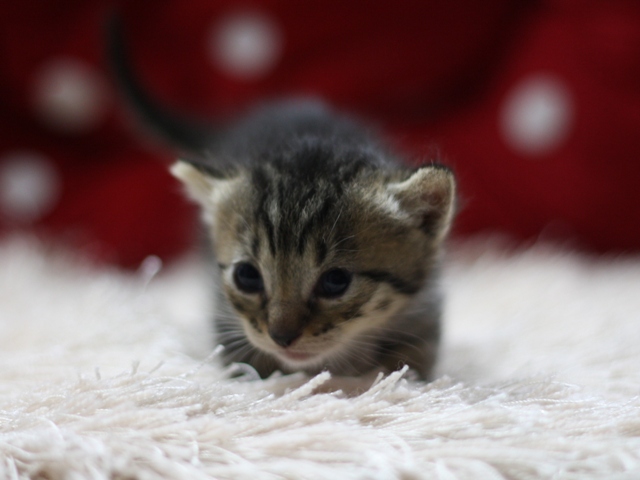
(188, 135)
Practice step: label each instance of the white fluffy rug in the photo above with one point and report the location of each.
(105, 375)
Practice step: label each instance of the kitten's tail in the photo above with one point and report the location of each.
(188, 135)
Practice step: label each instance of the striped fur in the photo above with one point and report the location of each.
(309, 191)
(292, 192)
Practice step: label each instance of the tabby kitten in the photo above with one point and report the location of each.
(327, 248)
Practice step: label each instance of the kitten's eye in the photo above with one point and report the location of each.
(333, 283)
(248, 278)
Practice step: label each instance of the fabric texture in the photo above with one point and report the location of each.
(105, 374)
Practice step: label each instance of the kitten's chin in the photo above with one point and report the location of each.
(297, 356)
(298, 360)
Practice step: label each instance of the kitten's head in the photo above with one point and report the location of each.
(312, 259)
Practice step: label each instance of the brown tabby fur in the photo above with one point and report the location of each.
(295, 190)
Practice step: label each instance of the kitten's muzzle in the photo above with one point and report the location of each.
(286, 322)
(283, 336)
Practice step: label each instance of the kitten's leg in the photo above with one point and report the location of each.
(418, 350)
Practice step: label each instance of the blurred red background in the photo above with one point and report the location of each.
(535, 104)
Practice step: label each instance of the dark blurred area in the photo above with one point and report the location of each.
(535, 104)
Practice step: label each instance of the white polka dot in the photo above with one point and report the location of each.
(246, 45)
(69, 95)
(150, 267)
(536, 116)
(29, 186)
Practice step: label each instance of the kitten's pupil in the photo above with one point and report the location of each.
(248, 278)
(333, 283)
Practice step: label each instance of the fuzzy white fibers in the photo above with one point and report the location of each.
(111, 375)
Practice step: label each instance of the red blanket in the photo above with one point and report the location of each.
(536, 105)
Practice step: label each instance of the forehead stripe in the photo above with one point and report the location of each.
(319, 217)
(321, 251)
(255, 246)
(262, 186)
(271, 235)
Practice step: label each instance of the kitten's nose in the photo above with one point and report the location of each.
(284, 338)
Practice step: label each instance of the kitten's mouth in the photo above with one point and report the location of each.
(297, 356)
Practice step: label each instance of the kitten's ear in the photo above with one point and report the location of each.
(205, 184)
(428, 196)
(198, 182)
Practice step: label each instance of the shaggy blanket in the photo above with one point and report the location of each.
(105, 374)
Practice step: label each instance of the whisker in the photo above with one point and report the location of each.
(237, 343)
(240, 354)
(343, 240)
(392, 333)
(334, 224)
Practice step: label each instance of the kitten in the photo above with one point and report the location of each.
(327, 247)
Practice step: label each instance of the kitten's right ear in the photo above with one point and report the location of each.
(199, 183)
(205, 184)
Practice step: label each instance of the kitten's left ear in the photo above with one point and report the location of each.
(428, 196)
